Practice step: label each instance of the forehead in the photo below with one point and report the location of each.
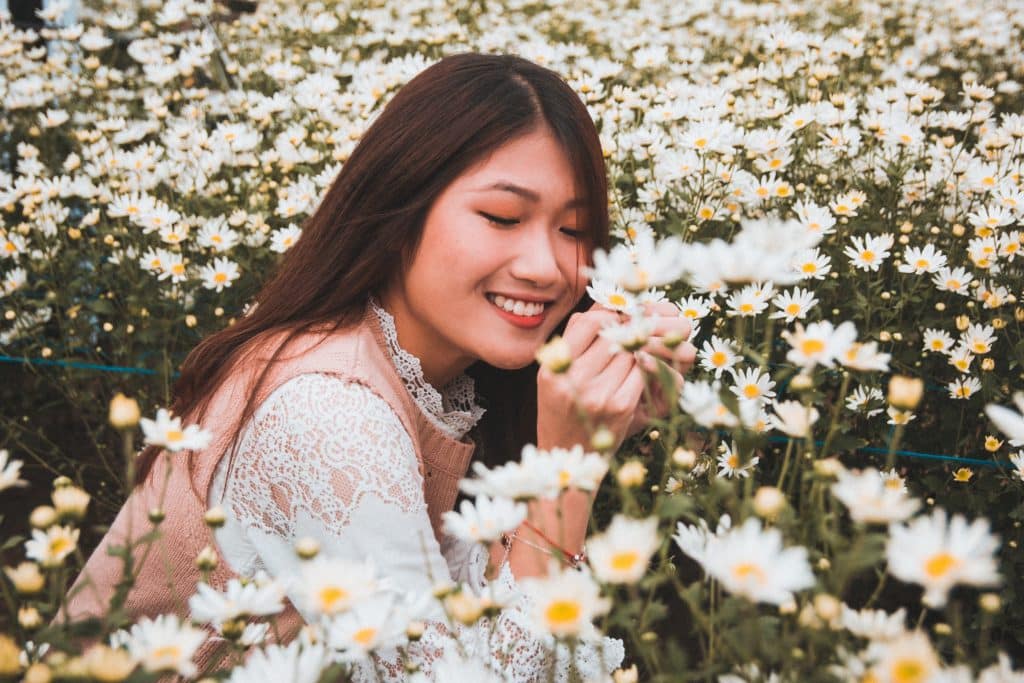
(535, 162)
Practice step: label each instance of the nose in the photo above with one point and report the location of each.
(535, 259)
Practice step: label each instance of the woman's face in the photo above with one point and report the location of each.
(497, 267)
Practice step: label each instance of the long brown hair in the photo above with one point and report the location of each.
(370, 222)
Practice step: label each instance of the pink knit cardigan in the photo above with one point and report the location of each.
(168, 576)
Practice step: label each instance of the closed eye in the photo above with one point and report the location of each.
(577, 234)
(498, 219)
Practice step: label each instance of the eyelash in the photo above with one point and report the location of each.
(506, 222)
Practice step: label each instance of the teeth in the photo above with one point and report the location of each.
(523, 308)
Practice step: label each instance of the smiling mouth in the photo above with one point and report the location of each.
(523, 309)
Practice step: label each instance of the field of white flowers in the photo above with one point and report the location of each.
(833, 192)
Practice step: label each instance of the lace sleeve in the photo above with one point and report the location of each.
(329, 459)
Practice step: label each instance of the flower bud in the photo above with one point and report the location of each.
(988, 364)
(29, 618)
(674, 339)
(307, 548)
(206, 560)
(464, 607)
(631, 474)
(26, 577)
(232, 629)
(9, 656)
(684, 457)
(905, 392)
(124, 412)
(70, 502)
(962, 322)
(769, 502)
(61, 482)
(990, 602)
(215, 517)
(828, 467)
(801, 382)
(629, 675)
(108, 664)
(156, 515)
(828, 608)
(603, 439)
(37, 673)
(555, 356)
(788, 607)
(414, 630)
(43, 517)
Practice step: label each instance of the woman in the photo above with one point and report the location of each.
(448, 250)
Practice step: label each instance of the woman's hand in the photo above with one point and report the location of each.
(667, 323)
(606, 387)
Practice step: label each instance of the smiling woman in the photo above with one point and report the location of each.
(346, 405)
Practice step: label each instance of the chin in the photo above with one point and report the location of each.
(509, 360)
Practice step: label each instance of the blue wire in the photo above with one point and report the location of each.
(778, 439)
(80, 365)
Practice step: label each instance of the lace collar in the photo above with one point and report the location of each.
(453, 409)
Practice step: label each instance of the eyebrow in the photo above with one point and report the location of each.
(527, 194)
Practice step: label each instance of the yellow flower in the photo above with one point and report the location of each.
(963, 474)
(992, 444)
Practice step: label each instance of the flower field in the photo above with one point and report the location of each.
(832, 192)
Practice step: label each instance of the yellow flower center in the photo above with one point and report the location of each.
(793, 309)
(733, 461)
(939, 565)
(746, 308)
(167, 652)
(938, 344)
(719, 358)
(842, 208)
(921, 263)
(867, 255)
(365, 636)
(809, 267)
(617, 300)
(564, 476)
(706, 212)
(782, 190)
(331, 595)
(980, 347)
(700, 143)
(748, 570)
(562, 612)
(751, 391)
(175, 435)
(908, 671)
(690, 313)
(774, 163)
(624, 560)
(220, 277)
(811, 347)
(178, 268)
(9, 247)
(60, 545)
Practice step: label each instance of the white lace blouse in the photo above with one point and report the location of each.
(328, 459)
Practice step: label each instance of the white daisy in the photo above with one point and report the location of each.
(939, 554)
(752, 384)
(166, 431)
(870, 500)
(938, 341)
(621, 553)
(238, 601)
(793, 305)
(963, 387)
(1007, 421)
(564, 603)
(50, 547)
(751, 562)
(486, 520)
(820, 343)
(10, 471)
(717, 355)
(164, 644)
(298, 662)
(793, 418)
(220, 274)
(730, 465)
(329, 586)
